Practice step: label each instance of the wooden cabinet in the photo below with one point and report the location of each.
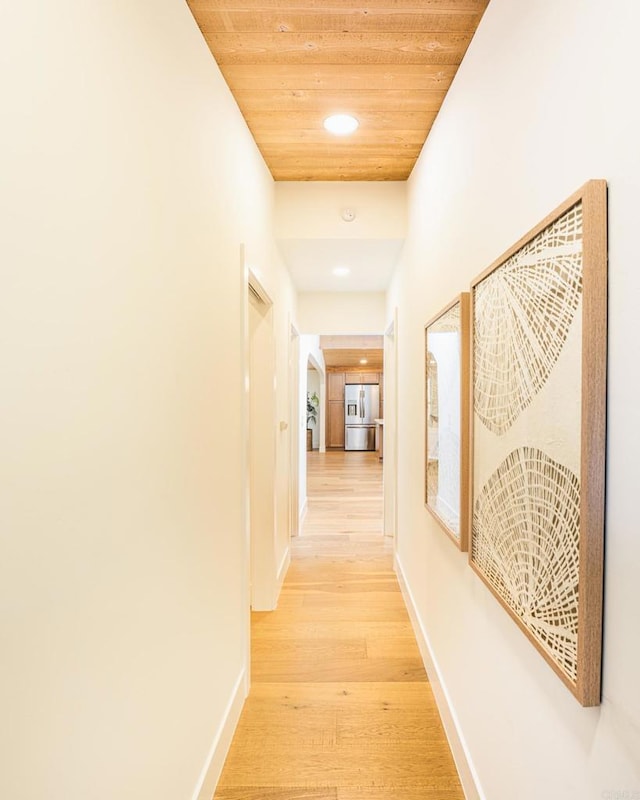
(334, 432)
(335, 387)
(335, 423)
(362, 377)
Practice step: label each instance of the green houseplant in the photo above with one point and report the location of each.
(313, 401)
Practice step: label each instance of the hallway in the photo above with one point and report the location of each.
(340, 707)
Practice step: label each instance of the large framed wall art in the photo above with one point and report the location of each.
(447, 419)
(539, 332)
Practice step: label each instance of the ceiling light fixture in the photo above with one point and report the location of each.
(363, 361)
(341, 124)
(341, 272)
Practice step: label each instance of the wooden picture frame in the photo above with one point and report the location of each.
(539, 341)
(446, 459)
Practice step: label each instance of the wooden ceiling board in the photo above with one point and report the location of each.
(291, 63)
(342, 6)
(374, 49)
(343, 20)
(362, 173)
(265, 137)
(348, 359)
(322, 103)
(333, 77)
(384, 121)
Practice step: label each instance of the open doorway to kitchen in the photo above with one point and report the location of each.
(344, 479)
(355, 391)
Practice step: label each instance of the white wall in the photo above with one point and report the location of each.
(314, 237)
(328, 313)
(311, 209)
(542, 103)
(129, 181)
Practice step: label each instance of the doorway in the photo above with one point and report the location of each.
(262, 446)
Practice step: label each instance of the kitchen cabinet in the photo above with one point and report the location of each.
(335, 387)
(362, 377)
(334, 432)
(335, 423)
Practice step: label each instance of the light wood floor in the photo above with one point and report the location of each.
(340, 707)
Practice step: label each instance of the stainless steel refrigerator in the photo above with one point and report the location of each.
(361, 409)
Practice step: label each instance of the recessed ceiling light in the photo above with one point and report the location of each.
(363, 361)
(341, 124)
(341, 271)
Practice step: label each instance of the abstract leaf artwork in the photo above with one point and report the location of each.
(538, 387)
(524, 312)
(528, 517)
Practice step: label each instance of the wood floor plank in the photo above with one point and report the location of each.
(387, 764)
(354, 599)
(341, 695)
(361, 669)
(341, 629)
(340, 707)
(401, 646)
(326, 614)
(275, 793)
(405, 793)
(309, 649)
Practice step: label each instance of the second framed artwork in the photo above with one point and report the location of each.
(539, 320)
(447, 339)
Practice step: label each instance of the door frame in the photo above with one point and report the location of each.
(390, 430)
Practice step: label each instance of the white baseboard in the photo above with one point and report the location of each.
(466, 771)
(212, 769)
(303, 513)
(282, 571)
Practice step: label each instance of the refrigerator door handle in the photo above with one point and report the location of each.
(361, 403)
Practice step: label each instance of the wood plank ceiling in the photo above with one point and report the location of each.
(342, 352)
(291, 63)
(343, 359)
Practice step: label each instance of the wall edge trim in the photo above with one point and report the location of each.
(282, 571)
(212, 769)
(468, 776)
